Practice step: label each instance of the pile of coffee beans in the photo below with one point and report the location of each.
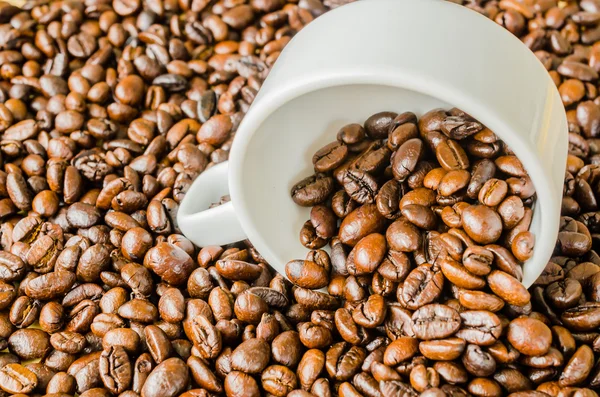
(108, 111)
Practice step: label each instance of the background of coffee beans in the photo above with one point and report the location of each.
(108, 111)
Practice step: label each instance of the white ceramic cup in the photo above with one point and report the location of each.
(363, 58)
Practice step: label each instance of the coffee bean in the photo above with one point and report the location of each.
(307, 274)
(508, 288)
(435, 322)
(29, 343)
(158, 343)
(451, 156)
(15, 379)
(343, 361)
(406, 158)
(378, 125)
(529, 336)
(312, 191)
(482, 224)
(171, 263)
(238, 384)
(360, 223)
(583, 317)
(422, 286)
(252, 356)
(578, 368)
(480, 327)
(360, 186)
(330, 157)
(115, 369)
(443, 349)
(400, 350)
(169, 378)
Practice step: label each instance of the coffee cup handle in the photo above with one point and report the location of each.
(209, 226)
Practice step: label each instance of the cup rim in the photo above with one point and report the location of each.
(263, 108)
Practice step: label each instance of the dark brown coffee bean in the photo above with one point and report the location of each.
(307, 274)
(29, 343)
(115, 369)
(24, 312)
(400, 350)
(139, 310)
(15, 379)
(169, 378)
(451, 155)
(479, 327)
(529, 336)
(360, 223)
(343, 361)
(68, 342)
(482, 224)
(238, 384)
(422, 286)
(205, 336)
(378, 125)
(443, 349)
(18, 191)
(578, 368)
(238, 270)
(170, 262)
(313, 190)
(406, 157)
(158, 343)
(478, 362)
(252, 356)
(508, 288)
(435, 321)
(330, 157)
(360, 186)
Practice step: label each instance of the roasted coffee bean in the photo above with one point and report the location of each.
(529, 336)
(578, 368)
(115, 369)
(169, 378)
(422, 286)
(15, 379)
(239, 384)
(443, 349)
(170, 262)
(435, 321)
(158, 343)
(480, 327)
(252, 356)
(205, 336)
(313, 190)
(29, 343)
(343, 361)
(360, 223)
(406, 157)
(508, 288)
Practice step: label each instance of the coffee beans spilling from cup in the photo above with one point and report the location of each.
(110, 109)
(441, 195)
(442, 192)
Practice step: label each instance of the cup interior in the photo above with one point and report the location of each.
(280, 152)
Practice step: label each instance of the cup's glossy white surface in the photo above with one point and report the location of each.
(363, 58)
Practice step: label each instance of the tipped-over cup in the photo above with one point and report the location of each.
(360, 59)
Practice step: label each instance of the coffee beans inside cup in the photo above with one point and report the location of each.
(418, 201)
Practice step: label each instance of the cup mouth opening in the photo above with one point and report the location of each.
(267, 105)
